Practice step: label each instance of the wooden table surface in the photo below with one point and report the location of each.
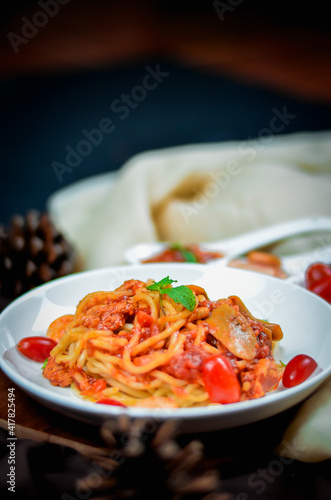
(292, 59)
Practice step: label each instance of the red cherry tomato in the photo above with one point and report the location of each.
(298, 370)
(144, 319)
(36, 348)
(323, 289)
(318, 280)
(316, 273)
(109, 401)
(220, 380)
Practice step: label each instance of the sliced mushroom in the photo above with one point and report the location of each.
(232, 329)
(276, 331)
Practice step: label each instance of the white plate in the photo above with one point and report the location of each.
(304, 318)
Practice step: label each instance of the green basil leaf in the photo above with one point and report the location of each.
(181, 295)
(187, 255)
(158, 285)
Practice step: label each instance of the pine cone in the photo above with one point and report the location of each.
(32, 252)
(145, 461)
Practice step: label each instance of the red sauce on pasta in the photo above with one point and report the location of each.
(133, 346)
(184, 253)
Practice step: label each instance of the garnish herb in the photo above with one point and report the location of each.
(44, 364)
(179, 294)
(187, 255)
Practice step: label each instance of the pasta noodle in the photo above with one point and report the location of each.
(141, 349)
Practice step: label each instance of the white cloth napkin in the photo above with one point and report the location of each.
(206, 192)
(198, 193)
(308, 437)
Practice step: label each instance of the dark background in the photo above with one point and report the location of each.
(226, 75)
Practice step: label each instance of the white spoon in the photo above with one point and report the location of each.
(239, 245)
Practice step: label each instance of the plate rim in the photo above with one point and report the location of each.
(77, 405)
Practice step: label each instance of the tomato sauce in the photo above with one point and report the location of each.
(187, 365)
(186, 253)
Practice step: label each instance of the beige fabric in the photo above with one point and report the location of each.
(199, 193)
(206, 192)
(308, 437)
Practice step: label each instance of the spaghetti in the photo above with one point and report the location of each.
(140, 349)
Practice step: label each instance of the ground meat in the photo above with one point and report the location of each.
(187, 364)
(57, 373)
(109, 317)
(87, 383)
(260, 379)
